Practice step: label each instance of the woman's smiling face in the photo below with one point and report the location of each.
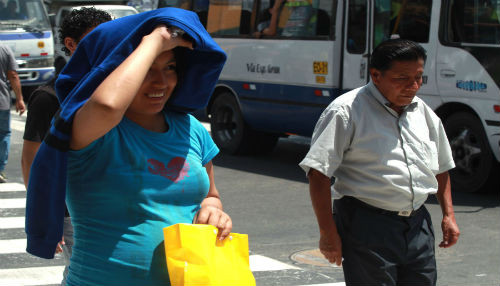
(157, 86)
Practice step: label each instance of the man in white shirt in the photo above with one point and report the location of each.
(387, 151)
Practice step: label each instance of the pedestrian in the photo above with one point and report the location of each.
(43, 104)
(387, 151)
(136, 161)
(8, 72)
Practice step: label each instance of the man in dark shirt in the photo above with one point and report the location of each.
(43, 104)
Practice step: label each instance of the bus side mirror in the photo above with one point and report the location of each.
(52, 19)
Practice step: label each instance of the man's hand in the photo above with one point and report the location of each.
(330, 246)
(216, 217)
(20, 107)
(450, 232)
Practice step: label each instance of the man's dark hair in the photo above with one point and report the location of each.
(79, 21)
(390, 51)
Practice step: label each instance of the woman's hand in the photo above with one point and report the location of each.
(59, 248)
(216, 217)
(165, 41)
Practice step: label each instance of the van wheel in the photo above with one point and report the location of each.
(471, 152)
(230, 132)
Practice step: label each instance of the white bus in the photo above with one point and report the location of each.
(278, 80)
(25, 28)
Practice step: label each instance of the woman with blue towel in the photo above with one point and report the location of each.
(136, 160)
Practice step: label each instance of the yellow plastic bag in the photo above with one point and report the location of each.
(196, 257)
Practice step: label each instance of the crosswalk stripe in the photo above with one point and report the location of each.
(17, 122)
(12, 187)
(8, 246)
(31, 276)
(262, 263)
(12, 203)
(12, 222)
(206, 125)
(327, 284)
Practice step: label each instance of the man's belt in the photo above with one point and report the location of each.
(408, 213)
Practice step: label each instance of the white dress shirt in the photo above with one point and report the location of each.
(377, 156)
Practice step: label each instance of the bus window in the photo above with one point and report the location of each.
(356, 27)
(402, 18)
(294, 18)
(183, 4)
(229, 17)
(474, 22)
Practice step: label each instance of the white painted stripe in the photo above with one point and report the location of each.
(12, 222)
(262, 263)
(17, 125)
(327, 284)
(12, 246)
(206, 125)
(17, 122)
(12, 187)
(12, 203)
(31, 276)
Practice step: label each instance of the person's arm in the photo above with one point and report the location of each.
(15, 83)
(448, 225)
(107, 105)
(330, 244)
(211, 211)
(273, 25)
(29, 151)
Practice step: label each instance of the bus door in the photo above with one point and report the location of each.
(418, 21)
(356, 44)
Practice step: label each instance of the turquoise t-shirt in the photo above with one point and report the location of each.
(124, 188)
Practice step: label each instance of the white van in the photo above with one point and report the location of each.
(116, 11)
(278, 84)
(26, 30)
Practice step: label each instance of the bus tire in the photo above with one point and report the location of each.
(230, 132)
(228, 128)
(471, 152)
(264, 142)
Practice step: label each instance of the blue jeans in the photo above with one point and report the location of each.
(4, 137)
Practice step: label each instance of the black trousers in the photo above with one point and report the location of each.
(380, 248)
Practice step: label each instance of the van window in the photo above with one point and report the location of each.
(402, 19)
(246, 18)
(356, 27)
(297, 18)
(474, 22)
(229, 17)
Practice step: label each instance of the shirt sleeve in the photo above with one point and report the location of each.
(41, 109)
(445, 156)
(208, 147)
(12, 64)
(331, 138)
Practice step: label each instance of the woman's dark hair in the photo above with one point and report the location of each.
(390, 51)
(78, 22)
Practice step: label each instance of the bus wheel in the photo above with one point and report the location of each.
(229, 131)
(471, 153)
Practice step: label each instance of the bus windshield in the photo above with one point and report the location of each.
(28, 15)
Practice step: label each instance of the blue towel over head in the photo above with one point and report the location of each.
(97, 55)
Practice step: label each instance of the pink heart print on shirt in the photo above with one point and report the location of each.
(175, 171)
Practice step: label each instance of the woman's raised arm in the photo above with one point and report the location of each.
(107, 105)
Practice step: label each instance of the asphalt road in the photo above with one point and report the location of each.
(267, 198)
